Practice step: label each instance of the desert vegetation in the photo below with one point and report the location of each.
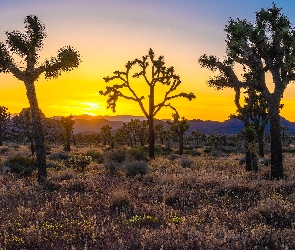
(150, 184)
(98, 197)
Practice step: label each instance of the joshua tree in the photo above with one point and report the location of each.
(159, 74)
(197, 136)
(106, 134)
(178, 128)
(267, 45)
(160, 132)
(4, 119)
(26, 46)
(254, 113)
(23, 126)
(67, 124)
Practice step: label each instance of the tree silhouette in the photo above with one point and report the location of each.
(23, 126)
(67, 123)
(159, 132)
(197, 136)
(27, 45)
(159, 74)
(178, 128)
(106, 134)
(4, 121)
(267, 45)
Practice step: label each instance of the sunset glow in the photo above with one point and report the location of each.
(109, 33)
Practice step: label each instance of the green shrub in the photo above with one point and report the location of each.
(116, 155)
(79, 162)
(186, 161)
(192, 152)
(112, 167)
(172, 157)
(21, 166)
(138, 154)
(136, 168)
(96, 156)
(59, 156)
(207, 150)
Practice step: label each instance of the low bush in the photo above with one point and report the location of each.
(4, 149)
(186, 162)
(207, 150)
(21, 166)
(112, 167)
(192, 152)
(172, 157)
(120, 202)
(138, 154)
(59, 156)
(79, 162)
(136, 168)
(96, 156)
(116, 155)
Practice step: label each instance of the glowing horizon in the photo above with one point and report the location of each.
(110, 33)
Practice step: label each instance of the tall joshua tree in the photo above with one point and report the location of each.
(160, 74)
(27, 45)
(4, 119)
(267, 45)
(67, 123)
(178, 128)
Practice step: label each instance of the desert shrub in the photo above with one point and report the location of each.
(79, 161)
(172, 157)
(192, 152)
(116, 155)
(96, 156)
(76, 186)
(228, 150)
(186, 162)
(172, 200)
(242, 160)
(120, 202)
(112, 167)
(51, 186)
(136, 168)
(21, 166)
(265, 161)
(207, 150)
(58, 156)
(138, 154)
(114, 160)
(4, 149)
(64, 175)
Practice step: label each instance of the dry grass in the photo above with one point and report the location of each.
(213, 204)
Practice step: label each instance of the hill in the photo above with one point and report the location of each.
(86, 123)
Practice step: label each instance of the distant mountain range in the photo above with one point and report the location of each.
(93, 124)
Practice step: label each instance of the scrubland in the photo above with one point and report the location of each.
(178, 202)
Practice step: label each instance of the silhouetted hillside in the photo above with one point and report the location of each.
(86, 123)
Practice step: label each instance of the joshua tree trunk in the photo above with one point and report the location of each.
(68, 142)
(151, 123)
(1, 136)
(275, 135)
(260, 138)
(248, 153)
(37, 130)
(181, 143)
(32, 146)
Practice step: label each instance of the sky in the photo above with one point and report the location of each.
(108, 33)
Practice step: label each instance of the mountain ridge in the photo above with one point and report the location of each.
(87, 124)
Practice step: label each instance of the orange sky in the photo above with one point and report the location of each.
(109, 33)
